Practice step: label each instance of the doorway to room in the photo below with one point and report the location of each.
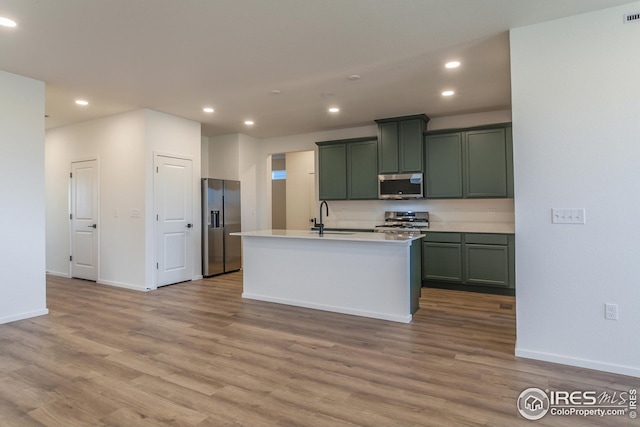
(293, 195)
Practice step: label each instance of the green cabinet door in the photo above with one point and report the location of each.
(469, 163)
(332, 173)
(444, 166)
(411, 145)
(442, 261)
(487, 265)
(469, 260)
(485, 163)
(388, 147)
(362, 169)
(401, 144)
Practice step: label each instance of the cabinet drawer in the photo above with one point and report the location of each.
(486, 239)
(443, 237)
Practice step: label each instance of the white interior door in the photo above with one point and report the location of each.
(84, 220)
(174, 219)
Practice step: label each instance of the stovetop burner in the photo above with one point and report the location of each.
(409, 220)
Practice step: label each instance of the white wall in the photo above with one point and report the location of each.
(300, 190)
(575, 130)
(204, 156)
(252, 173)
(224, 157)
(236, 157)
(174, 136)
(118, 142)
(22, 192)
(124, 145)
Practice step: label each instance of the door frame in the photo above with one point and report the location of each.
(196, 230)
(70, 211)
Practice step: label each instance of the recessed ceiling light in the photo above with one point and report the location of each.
(448, 93)
(208, 110)
(452, 64)
(274, 92)
(334, 110)
(82, 102)
(248, 122)
(6, 22)
(353, 77)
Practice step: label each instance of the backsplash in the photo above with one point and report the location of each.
(443, 214)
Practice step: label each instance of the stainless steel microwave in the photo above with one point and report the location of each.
(401, 186)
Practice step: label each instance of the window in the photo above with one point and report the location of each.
(278, 175)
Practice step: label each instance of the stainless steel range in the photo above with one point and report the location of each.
(404, 222)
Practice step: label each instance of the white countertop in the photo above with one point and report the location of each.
(474, 227)
(332, 235)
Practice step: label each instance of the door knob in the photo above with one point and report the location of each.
(189, 225)
(92, 226)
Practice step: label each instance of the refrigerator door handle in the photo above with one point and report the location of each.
(215, 219)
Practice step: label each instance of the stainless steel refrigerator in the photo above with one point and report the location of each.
(221, 252)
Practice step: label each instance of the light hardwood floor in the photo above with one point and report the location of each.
(196, 354)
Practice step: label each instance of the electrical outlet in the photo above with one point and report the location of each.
(611, 311)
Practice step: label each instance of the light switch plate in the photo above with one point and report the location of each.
(568, 216)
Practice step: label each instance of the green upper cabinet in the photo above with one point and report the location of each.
(474, 163)
(388, 148)
(332, 174)
(347, 169)
(485, 159)
(444, 166)
(362, 170)
(400, 144)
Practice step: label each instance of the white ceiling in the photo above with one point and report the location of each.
(177, 56)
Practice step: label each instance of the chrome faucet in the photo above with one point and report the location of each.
(320, 225)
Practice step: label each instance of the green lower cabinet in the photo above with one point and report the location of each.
(487, 265)
(469, 260)
(442, 261)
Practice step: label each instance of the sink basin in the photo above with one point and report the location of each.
(330, 232)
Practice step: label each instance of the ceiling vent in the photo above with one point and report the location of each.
(631, 17)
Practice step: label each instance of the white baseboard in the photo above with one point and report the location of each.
(334, 309)
(581, 363)
(198, 278)
(123, 285)
(22, 316)
(56, 273)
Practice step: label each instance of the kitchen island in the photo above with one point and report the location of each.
(364, 274)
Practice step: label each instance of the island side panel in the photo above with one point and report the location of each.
(359, 278)
(415, 267)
